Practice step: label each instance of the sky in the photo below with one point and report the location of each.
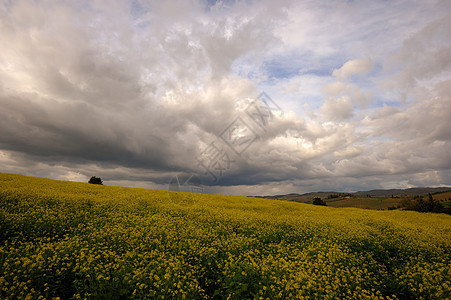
(249, 97)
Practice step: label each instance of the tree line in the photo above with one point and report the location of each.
(418, 203)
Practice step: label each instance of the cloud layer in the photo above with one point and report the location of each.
(136, 92)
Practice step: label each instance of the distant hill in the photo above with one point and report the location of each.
(406, 192)
(308, 197)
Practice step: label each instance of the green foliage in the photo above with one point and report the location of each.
(342, 195)
(95, 180)
(78, 240)
(393, 207)
(318, 201)
(417, 203)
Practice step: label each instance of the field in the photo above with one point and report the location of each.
(445, 197)
(381, 203)
(71, 240)
(380, 200)
(364, 202)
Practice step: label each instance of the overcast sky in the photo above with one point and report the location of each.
(255, 97)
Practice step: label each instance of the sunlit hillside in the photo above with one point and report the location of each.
(78, 240)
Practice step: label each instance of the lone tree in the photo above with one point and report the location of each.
(95, 180)
(318, 201)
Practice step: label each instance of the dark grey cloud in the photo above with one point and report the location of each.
(135, 92)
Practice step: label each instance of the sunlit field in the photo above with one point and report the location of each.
(74, 241)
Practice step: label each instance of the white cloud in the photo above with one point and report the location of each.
(357, 95)
(134, 91)
(353, 67)
(337, 109)
(349, 152)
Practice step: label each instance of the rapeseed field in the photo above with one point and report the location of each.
(66, 240)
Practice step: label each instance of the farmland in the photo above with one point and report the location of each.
(380, 201)
(72, 240)
(364, 202)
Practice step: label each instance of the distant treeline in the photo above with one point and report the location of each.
(418, 203)
(342, 195)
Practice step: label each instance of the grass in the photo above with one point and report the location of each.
(79, 241)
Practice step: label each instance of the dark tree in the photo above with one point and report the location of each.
(95, 180)
(318, 201)
(417, 203)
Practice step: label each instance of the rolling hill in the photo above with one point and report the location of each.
(69, 240)
(372, 199)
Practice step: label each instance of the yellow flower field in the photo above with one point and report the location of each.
(67, 240)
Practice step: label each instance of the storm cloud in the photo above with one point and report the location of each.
(356, 95)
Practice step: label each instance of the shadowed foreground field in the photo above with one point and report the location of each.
(75, 240)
